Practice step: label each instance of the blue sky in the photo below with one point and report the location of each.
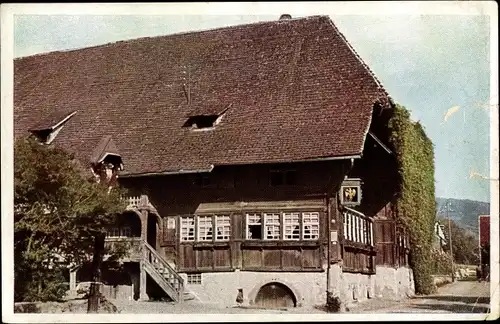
(429, 63)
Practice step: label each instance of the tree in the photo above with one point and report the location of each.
(465, 245)
(59, 213)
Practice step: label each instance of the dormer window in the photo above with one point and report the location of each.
(47, 130)
(106, 161)
(202, 121)
(205, 117)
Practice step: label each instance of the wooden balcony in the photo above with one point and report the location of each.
(139, 203)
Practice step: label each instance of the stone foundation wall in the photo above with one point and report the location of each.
(222, 287)
(386, 283)
(309, 288)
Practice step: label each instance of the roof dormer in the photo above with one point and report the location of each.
(205, 117)
(107, 154)
(47, 129)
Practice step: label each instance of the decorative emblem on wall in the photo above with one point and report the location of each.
(350, 192)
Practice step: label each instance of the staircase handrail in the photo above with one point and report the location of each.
(165, 264)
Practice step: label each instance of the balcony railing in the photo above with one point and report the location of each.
(357, 227)
(141, 201)
(133, 201)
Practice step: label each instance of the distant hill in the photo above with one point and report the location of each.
(463, 212)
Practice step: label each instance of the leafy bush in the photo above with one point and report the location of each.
(441, 263)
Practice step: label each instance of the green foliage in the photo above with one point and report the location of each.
(416, 201)
(441, 263)
(57, 214)
(465, 244)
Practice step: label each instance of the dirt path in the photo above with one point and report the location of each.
(457, 297)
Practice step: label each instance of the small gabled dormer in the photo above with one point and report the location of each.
(47, 130)
(204, 118)
(106, 162)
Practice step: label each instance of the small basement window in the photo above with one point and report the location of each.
(194, 278)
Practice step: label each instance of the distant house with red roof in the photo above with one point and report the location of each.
(484, 245)
(258, 156)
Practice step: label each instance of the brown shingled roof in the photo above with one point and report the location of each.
(295, 88)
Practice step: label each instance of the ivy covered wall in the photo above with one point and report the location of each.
(416, 203)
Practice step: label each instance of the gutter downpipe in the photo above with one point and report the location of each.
(328, 216)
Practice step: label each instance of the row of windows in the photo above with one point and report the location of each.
(267, 226)
(205, 226)
(259, 226)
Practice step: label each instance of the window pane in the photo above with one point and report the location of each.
(194, 278)
(205, 228)
(272, 229)
(187, 228)
(223, 225)
(291, 226)
(254, 226)
(310, 226)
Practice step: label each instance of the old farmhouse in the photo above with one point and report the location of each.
(257, 157)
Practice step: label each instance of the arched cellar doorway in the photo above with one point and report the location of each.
(275, 295)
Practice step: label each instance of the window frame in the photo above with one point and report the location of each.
(293, 225)
(312, 224)
(193, 226)
(273, 224)
(208, 237)
(283, 217)
(216, 226)
(247, 224)
(194, 278)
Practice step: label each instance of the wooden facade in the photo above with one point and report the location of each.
(257, 225)
(247, 218)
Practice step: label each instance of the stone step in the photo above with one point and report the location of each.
(188, 296)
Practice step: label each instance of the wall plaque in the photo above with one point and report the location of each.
(171, 223)
(333, 236)
(350, 192)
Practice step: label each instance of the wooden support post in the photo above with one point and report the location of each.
(72, 279)
(143, 296)
(144, 225)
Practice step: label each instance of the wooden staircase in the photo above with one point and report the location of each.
(163, 274)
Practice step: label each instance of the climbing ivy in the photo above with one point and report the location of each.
(416, 203)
